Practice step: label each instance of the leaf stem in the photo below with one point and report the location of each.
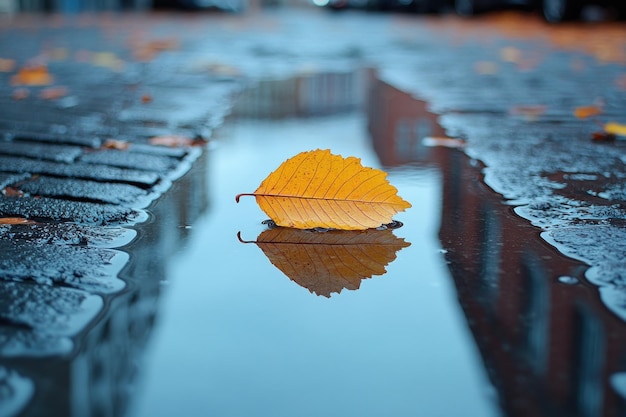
(244, 241)
(241, 195)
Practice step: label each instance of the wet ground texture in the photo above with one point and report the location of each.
(92, 131)
(101, 115)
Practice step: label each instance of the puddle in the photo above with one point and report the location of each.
(464, 310)
(240, 333)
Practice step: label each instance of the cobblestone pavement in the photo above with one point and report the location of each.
(87, 101)
(86, 107)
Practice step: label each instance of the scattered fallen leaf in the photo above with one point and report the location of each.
(7, 65)
(328, 262)
(584, 112)
(602, 137)
(15, 220)
(614, 128)
(146, 98)
(20, 93)
(53, 93)
(433, 141)
(35, 75)
(319, 189)
(120, 145)
(12, 192)
(175, 141)
(530, 112)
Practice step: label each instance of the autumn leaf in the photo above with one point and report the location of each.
(328, 262)
(15, 220)
(12, 192)
(319, 189)
(602, 137)
(120, 145)
(584, 112)
(34, 75)
(617, 129)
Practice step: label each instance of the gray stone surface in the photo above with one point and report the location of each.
(67, 234)
(78, 170)
(68, 211)
(56, 153)
(99, 192)
(90, 269)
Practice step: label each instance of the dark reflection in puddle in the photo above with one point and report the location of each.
(549, 344)
(327, 262)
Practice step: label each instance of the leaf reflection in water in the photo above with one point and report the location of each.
(329, 261)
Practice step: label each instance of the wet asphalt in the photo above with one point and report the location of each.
(82, 155)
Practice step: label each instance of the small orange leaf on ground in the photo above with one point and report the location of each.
(146, 98)
(7, 65)
(319, 189)
(618, 129)
(328, 262)
(12, 192)
(584, 112)
(15, 220)
(120, 145)
(175, 141)
(53, 93)
(35, 75)
(20, 93)
(602, 137)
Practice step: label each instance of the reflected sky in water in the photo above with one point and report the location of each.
(236, 337)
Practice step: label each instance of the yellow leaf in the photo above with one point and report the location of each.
(319, 189)
(615, 128)
(328, 262)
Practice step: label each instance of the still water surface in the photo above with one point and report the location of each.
(237, 337)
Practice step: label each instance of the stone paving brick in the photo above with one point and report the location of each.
(67, 234)
(78, 170)
(68, 211)
(89, 269)
(8, 179)
(92, 191)
(43, 314)
(56, 153)
(130, 159)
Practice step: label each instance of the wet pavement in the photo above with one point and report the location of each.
(126, 137)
